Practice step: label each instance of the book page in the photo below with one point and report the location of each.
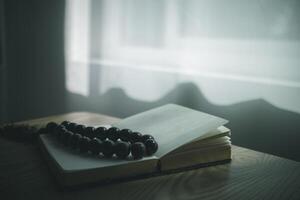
(172, 126)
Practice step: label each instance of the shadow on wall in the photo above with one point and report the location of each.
(255, 124)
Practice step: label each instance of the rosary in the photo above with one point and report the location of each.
(84, 139)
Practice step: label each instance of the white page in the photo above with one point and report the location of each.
(172, 125)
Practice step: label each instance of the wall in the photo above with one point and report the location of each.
(2, 63)
(34, 48)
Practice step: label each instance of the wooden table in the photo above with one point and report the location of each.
(250, 175)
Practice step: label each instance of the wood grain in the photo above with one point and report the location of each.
(250, 175)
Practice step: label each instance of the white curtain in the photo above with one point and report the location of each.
(233, 51)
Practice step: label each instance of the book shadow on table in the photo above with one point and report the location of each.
(255, 124)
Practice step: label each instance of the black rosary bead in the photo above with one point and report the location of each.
(138, 150)
(71, 126)
(113, 133)
(60, 133)
(78, 139)
(65, 123)
(124, 134)
(58, 130)
(136, 137)
(67, 138)
(89, 132)
(73, 142)
(96, 146)
(151, 146)
(64, 137)
(122, 149)
(79, 128)
(108, 148)
(146, 137)
(84, 144)
(101, 133)
(51, 126)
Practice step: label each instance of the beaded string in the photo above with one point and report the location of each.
(100, 140)
(20, 133)
(104, 141)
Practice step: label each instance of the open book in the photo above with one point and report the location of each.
(185, 137)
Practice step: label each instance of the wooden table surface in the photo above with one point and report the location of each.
(250, 175)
